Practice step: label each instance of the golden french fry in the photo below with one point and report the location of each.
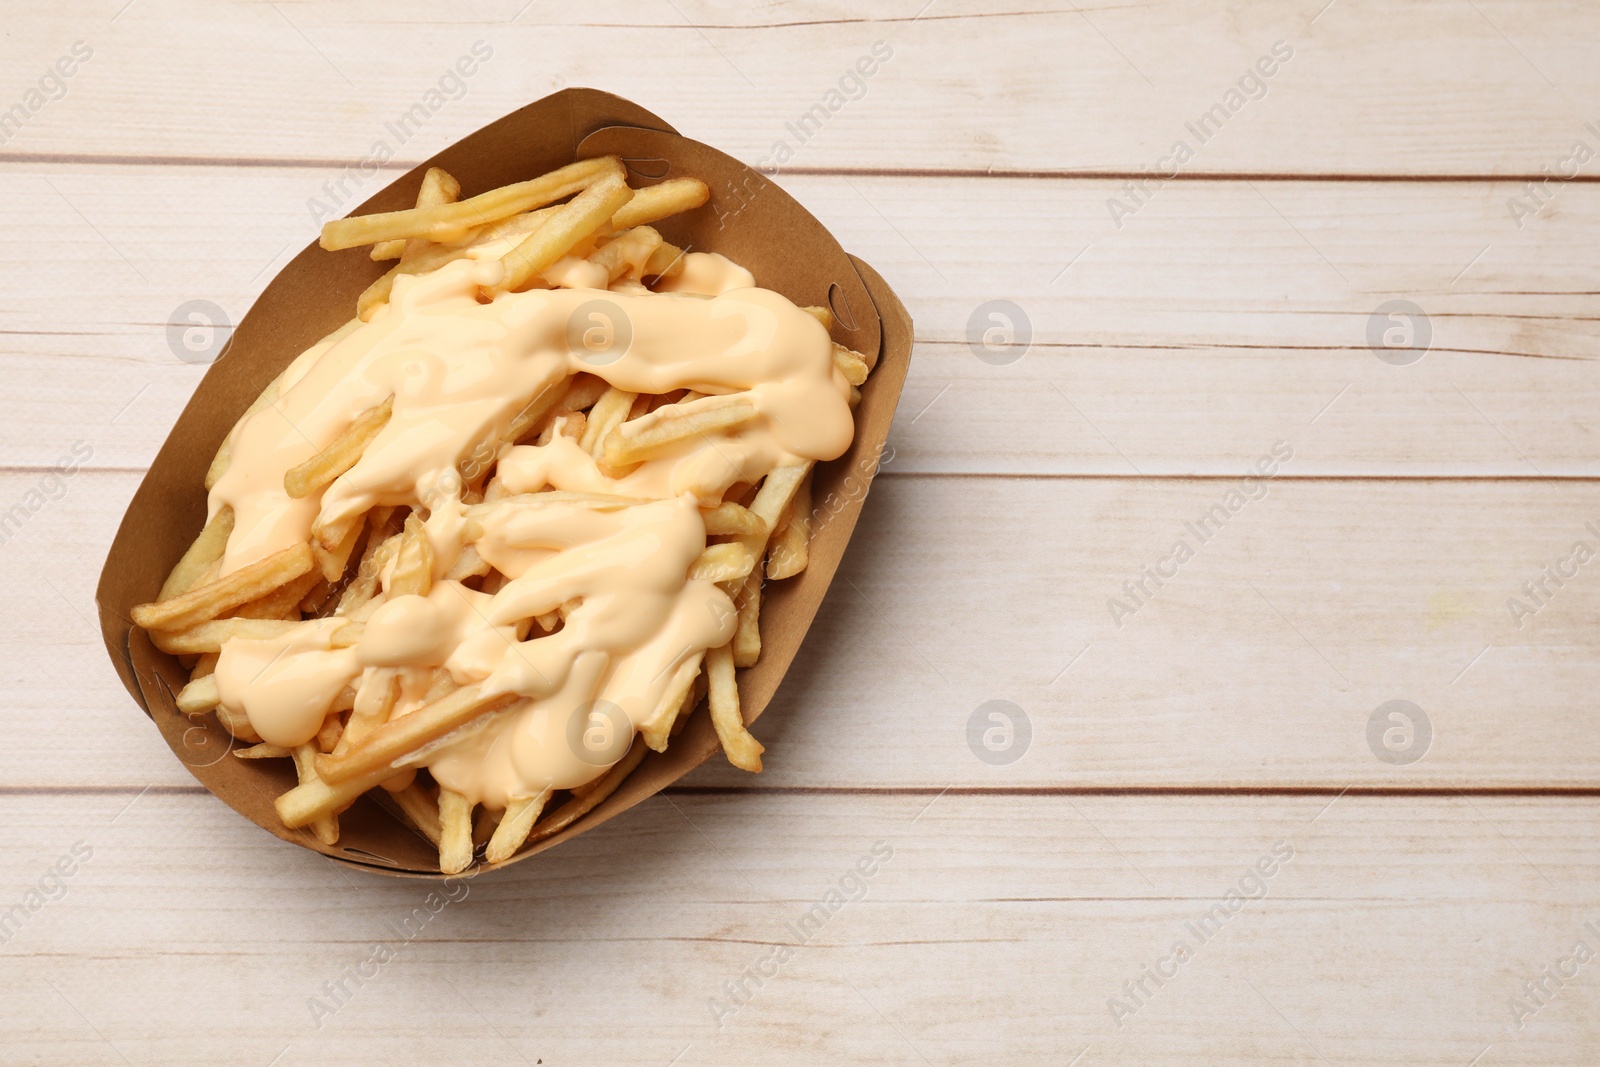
(665, 262)
(483, 825)
(601, 788)
(375, 700)
(199, 696)
(563, 231)
(790, 548)
(609, 412)
(284, 601)
(242, 586)
(747, 637)
(570, 424)
(649, 435)
(413, 562)
(777, 490)
(742, 750)
(237, 724)
(209, 636)
(821, 314)
(728, 518)
(851, 364)
(674, 703)
(398, 738)
(332, 730)
(447, 221)
(727, 562)
(583, 392)
(433, 256)
(315, 797)
(331, 562)
(421, 809)
(380, 550)
(515, 825)
(658, 201)
(438, 187)
(455, 835)
(322, 468)
(206, 550)
(326, 825)
(263, 751)
(627, 253)
(530, 416)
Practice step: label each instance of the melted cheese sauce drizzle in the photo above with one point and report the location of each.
(459, 371)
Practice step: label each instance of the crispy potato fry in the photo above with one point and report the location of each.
(773, 498)
(448, 221)
(326, 825)
(747, 637)
(483, 824)
(583, 391)
(263, 751)
(413, 562)
(821, 314)
(331, 562)
(674, 703)
(851, 364)
(398, 738)
(283, 602)
(726, 562)
(242, 586)
(729, 518)
(789, 550)
(438, 187)
(322, 468)
(421, 809)
(658, 201)
(315, 797)
(238, 725)
(742, 750)
(609, 412)
(648, 436)
(206, 550)
(514, 827)
(332, 730)
(626, 255)
(562, 232)
(209, 636)
(455, 836)
(375, 700)
(433, 256)
(601, 788)
(199, 696)
(665, 262)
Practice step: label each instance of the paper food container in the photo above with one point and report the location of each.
(748, 218)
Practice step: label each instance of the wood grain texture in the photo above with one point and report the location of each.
(990, 928)
(1222, 317)
(1435, 87)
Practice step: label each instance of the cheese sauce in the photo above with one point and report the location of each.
(612, 550)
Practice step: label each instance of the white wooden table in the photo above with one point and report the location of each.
(1171, 342)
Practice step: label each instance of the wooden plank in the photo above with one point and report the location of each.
(1434, 87)
(996, 929)
(1259, 664)
(1185, 343)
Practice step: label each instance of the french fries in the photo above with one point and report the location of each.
(447, 221)
(380, 729)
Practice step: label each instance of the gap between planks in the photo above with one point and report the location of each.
(398, 167)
